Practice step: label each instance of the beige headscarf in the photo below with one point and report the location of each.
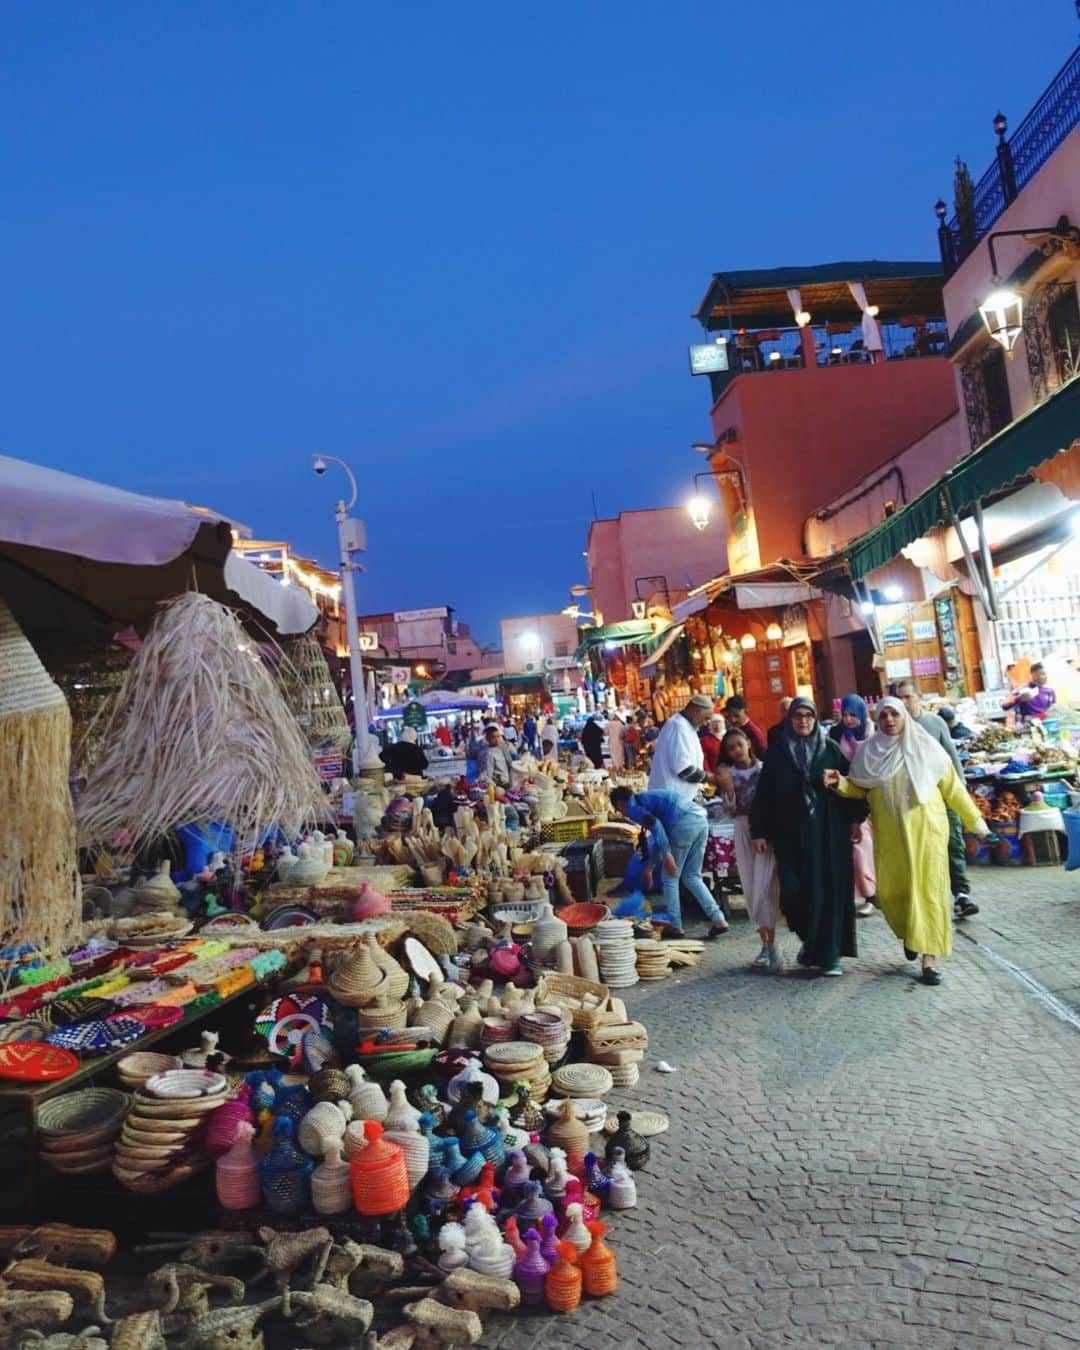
(880, 758)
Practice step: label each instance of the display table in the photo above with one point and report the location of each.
(23, 1099)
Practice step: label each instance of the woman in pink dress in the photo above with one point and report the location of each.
(849, 733)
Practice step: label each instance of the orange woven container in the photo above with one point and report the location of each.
(562, 1285)
(598, 1269)
(377, 1174)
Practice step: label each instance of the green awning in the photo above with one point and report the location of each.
(627, 632)
(1047, 430)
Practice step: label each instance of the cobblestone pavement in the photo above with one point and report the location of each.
(858, 1162)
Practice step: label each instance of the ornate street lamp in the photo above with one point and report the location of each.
(1003, 309)
(698, 507)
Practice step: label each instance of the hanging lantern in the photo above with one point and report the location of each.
(1003, 314)
(774, 632)
(748, 642)
(699, 511)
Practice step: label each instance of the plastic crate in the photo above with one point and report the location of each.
(563, 831)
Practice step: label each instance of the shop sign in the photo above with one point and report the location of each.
(400, 675)
(793, 622)
(560, 662)
(327, 764)
(369, 642)
(415, 615)
(707, 358)
(414, 716)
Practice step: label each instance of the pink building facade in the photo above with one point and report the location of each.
(654, 556)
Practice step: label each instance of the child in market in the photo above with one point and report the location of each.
(643, 869)
(738, 780)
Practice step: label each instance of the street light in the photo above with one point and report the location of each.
(699, 505)
(1003, 309)
(352, 538)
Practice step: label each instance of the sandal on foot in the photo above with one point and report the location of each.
(930, 976)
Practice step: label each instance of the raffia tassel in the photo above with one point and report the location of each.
(40, 894)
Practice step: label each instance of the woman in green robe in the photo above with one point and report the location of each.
(810, 830)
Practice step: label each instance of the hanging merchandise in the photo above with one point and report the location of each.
(312, 696)
(39, 880)
(199, 734)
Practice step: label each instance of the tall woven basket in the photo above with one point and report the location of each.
(39, 878)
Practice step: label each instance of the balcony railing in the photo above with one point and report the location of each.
(1019, 159)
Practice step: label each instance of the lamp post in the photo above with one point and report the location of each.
(352, 538)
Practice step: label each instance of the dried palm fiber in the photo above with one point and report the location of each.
(312, 696)
(199, 733)
(39, 877)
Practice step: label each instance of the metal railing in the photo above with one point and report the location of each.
(1019, 159)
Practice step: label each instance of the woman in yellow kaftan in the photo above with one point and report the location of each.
(909, 780)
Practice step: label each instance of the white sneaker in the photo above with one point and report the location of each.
(761, 961)
(776, 961)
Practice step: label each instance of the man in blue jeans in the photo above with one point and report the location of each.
(680, 828)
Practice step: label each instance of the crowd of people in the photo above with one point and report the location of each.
(829, 825)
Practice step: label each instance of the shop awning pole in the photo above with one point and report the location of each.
(862, 595)
(973, 568)
(1003, 591)
(988, 566)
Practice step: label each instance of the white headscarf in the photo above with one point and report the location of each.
(881, 757)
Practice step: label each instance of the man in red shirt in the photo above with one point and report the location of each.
(711, 738)
(737, 716)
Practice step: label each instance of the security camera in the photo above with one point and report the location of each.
(320, 465)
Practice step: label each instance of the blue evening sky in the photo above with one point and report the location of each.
(456, 244)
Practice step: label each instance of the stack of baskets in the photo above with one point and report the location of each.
(548, 1028)
(156, 1147)
(76, 1133)
(513, 1062)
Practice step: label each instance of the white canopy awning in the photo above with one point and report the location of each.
(80, 560)
(766, 594)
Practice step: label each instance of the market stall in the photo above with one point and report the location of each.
(387, 1070)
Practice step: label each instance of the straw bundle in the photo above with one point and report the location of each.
(199, 733)
(39, 879)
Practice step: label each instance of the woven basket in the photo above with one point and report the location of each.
(572, 989)
(85, 1112)
(382, 1015)
(520, 911)
(134, 1070)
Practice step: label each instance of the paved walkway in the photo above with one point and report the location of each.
(858, 1162)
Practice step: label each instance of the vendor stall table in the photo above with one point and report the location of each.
(23, 1099)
